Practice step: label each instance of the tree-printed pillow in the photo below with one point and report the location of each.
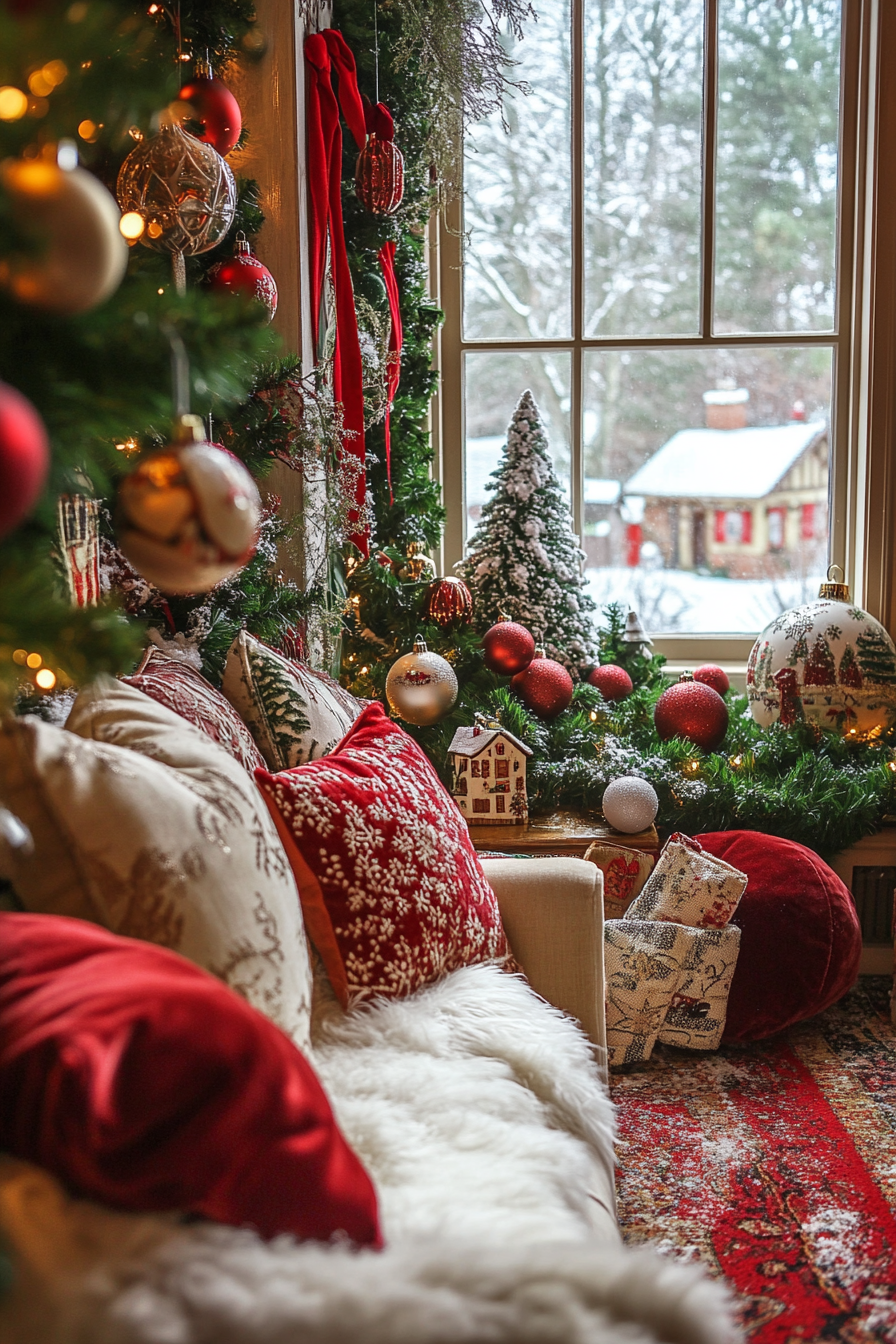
(294, 713)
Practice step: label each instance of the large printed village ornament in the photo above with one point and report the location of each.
(79, 257)
(827, 662)
(488, 774)
(421, 686)
(188, 514)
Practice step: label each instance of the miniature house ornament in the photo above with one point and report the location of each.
(827, 662)
(488, 774)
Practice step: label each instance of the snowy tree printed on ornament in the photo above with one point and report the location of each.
(841, 667)
(524, 561)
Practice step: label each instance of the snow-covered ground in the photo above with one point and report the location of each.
(673, 599)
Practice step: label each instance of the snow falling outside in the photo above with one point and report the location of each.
(749, 539)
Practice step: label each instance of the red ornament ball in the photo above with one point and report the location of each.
(214, 107)
(448, 602)
(613, 682)
(379, 176)
(24, 457)
(508, 648)
(693, 711)
(545, 687)
(712, 675)
(243, 273)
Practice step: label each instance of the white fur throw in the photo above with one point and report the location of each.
(481, 1117)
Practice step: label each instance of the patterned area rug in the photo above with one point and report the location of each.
(775, 1164)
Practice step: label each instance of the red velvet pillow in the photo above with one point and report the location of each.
(186, 692)
(800, 936)
(392, 891)
(142, 1082)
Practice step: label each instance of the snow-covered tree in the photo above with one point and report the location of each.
(523, 560)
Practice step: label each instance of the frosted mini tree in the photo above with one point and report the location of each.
(523, 560)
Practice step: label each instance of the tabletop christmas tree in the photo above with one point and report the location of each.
(524, 559)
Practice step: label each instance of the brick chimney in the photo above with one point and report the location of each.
(726, 408)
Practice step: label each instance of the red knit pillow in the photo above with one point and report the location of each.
(141, 1081)
(186, 692)
(800, 941)
(392, 891)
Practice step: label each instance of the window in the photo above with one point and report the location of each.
(502, 769)
(482, 805)
(499, 748)
(654, 249)
(499, 804)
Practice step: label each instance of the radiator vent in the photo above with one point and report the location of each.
(872, 890)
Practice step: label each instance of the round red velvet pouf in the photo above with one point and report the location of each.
(800, 936)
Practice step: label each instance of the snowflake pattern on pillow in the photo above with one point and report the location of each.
(392, 890)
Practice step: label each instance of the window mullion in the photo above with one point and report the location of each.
(577, 150)
(710, 115)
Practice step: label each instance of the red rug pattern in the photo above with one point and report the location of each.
(775, 1165)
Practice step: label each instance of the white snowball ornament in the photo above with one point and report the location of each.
(421, 686)
(189, 514)
(630, 804)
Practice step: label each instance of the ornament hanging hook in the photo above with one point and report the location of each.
(180, 371)
(831, 575)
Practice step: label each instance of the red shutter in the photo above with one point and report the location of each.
(720, 525)
(807, 529)
(746, 526)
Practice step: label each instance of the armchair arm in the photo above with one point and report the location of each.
(552, 910)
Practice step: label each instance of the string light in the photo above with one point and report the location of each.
(13, 103)
(33, 660)
(19, 656)
(128, 447)
(691, 767)
(132, 225)
(364, 671)
(46, 679)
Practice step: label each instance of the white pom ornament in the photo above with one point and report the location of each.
(421, 686)
(630, 804)
(828, 663)
(189, 514)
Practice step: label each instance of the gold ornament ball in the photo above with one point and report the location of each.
(189, 514)
(80, 256)
(421, 686)
(182, 189)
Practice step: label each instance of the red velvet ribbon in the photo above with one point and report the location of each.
(396, 337)
(326, 55)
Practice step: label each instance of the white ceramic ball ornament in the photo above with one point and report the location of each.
(189, 514)
(827, 662)
(630, 804)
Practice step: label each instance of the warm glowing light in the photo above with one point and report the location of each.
(186, 56)
(39, 84)
(13, 103)
(129, 446)
(19, 656)
(891, 765)
(691, 766)
(46, 679)
(593, 716)
(56, 72)
(132, 224)
(364, 671)
(87, 130)
(736, 761)
(154, 9)
(160, 291)
(154, 229)
(33, 660)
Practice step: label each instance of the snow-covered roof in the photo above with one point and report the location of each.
(599, 491)
(470, 741)
(724, 463)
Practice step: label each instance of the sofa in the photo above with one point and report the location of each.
(479, 1106)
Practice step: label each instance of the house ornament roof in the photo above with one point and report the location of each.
(724, 463)
(470, 741)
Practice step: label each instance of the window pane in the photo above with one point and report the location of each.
(642, 181)
(706, 479)
(493, 384)
(517, 195)
(779, 82)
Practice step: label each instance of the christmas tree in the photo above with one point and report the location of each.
(524, 561)
(876, 658)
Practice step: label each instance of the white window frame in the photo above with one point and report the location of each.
(862, 470)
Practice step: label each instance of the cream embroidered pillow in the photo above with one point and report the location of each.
(294, 714)
(151, 829)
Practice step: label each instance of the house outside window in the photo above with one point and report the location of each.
(655, 250)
